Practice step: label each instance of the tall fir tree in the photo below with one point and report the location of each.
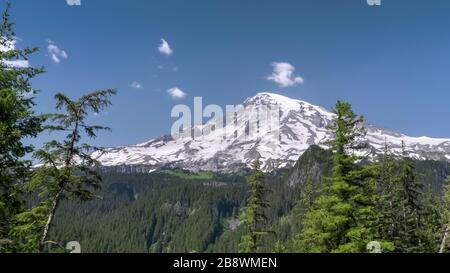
(408, 218)
(446, 218)
(343, 216)
(303, 205)
(410, 207)
(387, 189)
(67, 167)
(390, 203)
(253, 215)
(17, 122)
(431, 223)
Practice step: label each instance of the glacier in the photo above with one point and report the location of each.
(301, 125)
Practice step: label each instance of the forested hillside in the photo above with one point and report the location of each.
(176, 211)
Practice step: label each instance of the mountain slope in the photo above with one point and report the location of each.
(301, 125)
(169, 212)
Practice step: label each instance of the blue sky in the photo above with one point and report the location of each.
(391, 62)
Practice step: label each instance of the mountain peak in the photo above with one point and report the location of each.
(287, 104)
(270, 94)
(273, 97)
(268, 98)
(301, 125)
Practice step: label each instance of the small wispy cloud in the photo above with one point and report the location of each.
(176, 93)
(55, 52)
(73, 2)
(283, 75)
(165, 48)
(10, 45)
(136, 85)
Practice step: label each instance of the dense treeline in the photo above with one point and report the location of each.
(381, 201)
(152, 215)
(333, 200)
(138, 211)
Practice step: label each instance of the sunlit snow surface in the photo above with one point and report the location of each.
(301, 125)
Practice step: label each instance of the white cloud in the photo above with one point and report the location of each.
(8, 46)
(73, 2)
(283, 75)
(176, 93)
(165, 48)
(136, 85)
(55, 52)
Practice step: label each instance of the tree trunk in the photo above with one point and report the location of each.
(58, 195)
(51, 216)
(444, 239)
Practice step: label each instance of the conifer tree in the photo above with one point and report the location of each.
(388, 201)
(304, 204)
(409, 219)
(17, 122)
(253, 216)
(432, 221)
(446, 218)
(67, 170)
(279, 247)
(410, 206)
(343, 216)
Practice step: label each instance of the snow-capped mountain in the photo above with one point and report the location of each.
(301, 125)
